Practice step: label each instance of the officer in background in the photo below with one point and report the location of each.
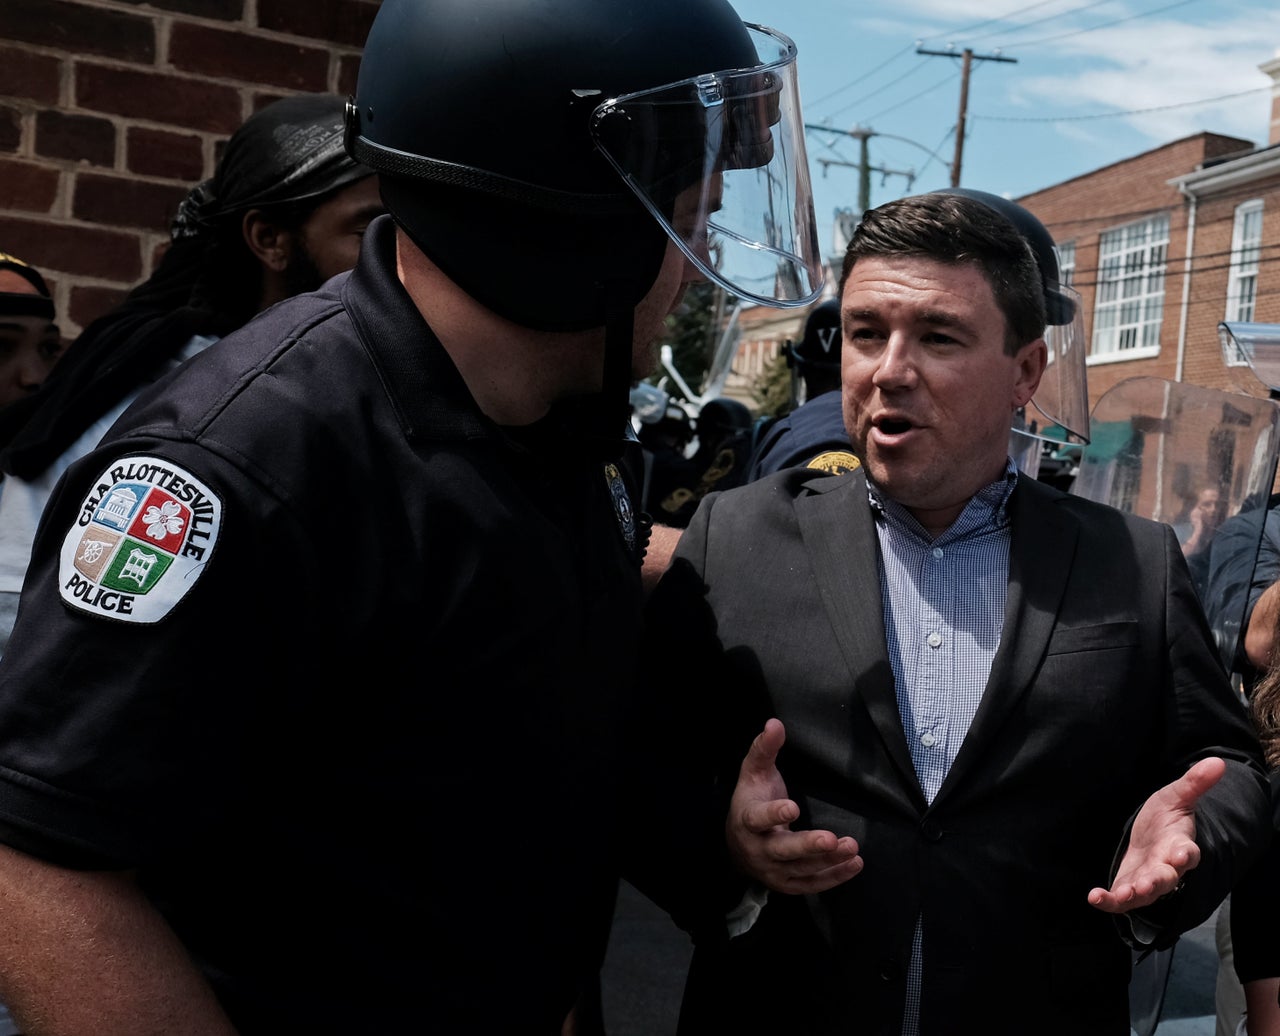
(813, 434)
(310, 721)
(723, 430)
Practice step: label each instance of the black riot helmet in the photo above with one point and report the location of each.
(535, 152)
(819, 349)
(1059, 307)
(1062, 398)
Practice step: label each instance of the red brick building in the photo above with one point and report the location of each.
(110, 111)
(1163, 246)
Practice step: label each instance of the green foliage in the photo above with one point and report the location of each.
(692, 332)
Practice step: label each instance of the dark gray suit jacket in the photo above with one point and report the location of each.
(1105, 686)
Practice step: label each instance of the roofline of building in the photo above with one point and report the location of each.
(1249, 146)
(1221, 176)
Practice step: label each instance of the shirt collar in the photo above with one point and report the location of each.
(988, 508)
(428, 394)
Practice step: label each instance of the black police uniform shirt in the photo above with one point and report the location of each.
(811, 436)
(336, 665)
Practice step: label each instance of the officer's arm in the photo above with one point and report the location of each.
(663, 540)
(85, 952)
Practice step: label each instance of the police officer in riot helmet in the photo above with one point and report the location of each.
(401, 799)
(723, 432)
(813, 433)
(816, 357)
(579, 198)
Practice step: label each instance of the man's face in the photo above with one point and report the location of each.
(928, 389)
(29, 346)
(676, 274)
(330, 237)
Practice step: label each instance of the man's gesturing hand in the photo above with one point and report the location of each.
(1162, 844)
(760, 840)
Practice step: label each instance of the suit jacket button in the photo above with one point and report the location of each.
(931, 830)
(890, 970)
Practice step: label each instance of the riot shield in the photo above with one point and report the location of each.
(1203, 461)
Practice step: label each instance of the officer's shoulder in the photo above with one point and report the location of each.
(228, 375)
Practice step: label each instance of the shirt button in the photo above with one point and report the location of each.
(937, 552)
(927, 739)
(935, 639)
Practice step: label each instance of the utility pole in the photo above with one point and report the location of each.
(968, 58)
(864, 166)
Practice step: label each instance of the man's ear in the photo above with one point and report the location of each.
(1031, 361)
(270, 242)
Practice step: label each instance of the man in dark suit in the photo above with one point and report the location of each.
(1003, 713)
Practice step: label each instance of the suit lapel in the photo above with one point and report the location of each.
(1041, 549)
(839, 535)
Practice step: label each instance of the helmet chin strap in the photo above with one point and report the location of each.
(615, 386)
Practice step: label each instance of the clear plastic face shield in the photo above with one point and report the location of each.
(720, 162)
(1058, 414)
(1258, 346)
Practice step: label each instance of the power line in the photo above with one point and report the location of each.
(990, 21)
(914, 97)
(866, 75)
(879, 90)
(961, 33)
(1038, 21)
(1104, 25)
(1117, 115)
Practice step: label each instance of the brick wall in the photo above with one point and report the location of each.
(111, 110)
(1080, 209)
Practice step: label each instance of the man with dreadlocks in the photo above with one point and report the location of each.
(285, 210)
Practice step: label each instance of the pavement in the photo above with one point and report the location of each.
(645, 968)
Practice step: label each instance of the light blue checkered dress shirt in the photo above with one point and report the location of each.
(943, 601)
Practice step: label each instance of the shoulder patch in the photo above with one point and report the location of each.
(621, 504)
(837, 462)
(143, 536)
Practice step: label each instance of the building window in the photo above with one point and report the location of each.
(1130, 298)
(1242, 280)
(1066, 262)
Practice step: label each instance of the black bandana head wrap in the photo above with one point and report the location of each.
(289, 152)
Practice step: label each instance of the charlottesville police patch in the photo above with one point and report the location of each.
(140, 542)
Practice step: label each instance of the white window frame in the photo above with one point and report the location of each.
(1066, 252)
(1128, 307)
(1242, 278)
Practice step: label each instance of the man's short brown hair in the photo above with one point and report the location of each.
(950, 228)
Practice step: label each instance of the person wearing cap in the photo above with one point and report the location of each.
(813, 433)
(315, 716)
(974, 773)
(285, 210)
(30, 343)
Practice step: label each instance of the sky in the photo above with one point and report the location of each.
(1091, 82)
